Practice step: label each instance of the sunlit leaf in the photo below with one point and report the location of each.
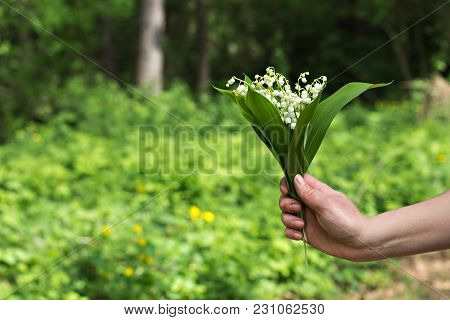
(269, 121)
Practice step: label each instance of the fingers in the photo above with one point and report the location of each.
(286, 203)
(289, 205)
(292, 222)
(293, 234)
(313, 197)
(283, 187)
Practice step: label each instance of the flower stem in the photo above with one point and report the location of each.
(302, 215)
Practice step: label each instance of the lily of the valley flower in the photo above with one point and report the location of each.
(276, 88)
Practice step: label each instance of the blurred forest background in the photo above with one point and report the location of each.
(79, 77)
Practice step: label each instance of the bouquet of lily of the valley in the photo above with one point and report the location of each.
(291, 121)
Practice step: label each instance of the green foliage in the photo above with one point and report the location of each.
(63, 183)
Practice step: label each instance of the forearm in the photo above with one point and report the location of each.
(414, 229)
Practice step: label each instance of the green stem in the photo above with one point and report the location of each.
(302, 215)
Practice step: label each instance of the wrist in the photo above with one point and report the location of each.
(366, 242)
(373, 239)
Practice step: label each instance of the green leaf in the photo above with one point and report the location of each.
(250, 117)
(257, 127)
(262, 135)
(325, 113)
(228, 93)
(269, 121)
(245, 110)
(240, 101)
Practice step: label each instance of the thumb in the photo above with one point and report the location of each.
(311, 196)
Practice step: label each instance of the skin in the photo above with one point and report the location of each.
(336, 227)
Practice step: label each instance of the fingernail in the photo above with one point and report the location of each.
(299, 179)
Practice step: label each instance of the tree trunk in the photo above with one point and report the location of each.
(150, 59)
(400, 51)
(108, 48)
(202, 46)
(400, 44)
(402, 59)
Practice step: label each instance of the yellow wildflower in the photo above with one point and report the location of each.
(36, 137)
(137, 228)
(149, 261)
(194, 212)
(128, 272)
(141, 256)
(193, 267)
(442, 158)
(142, 242)
(208, 216)
(106, 231)
(140, 188)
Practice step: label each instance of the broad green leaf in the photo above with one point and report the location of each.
(327, 110)
(270, 122)
(261, 134)
(245, 110)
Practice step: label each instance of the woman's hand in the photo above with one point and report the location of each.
(334, 224)
(336, 227)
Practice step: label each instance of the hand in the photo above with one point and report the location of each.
(336, 227)
(334, 224)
